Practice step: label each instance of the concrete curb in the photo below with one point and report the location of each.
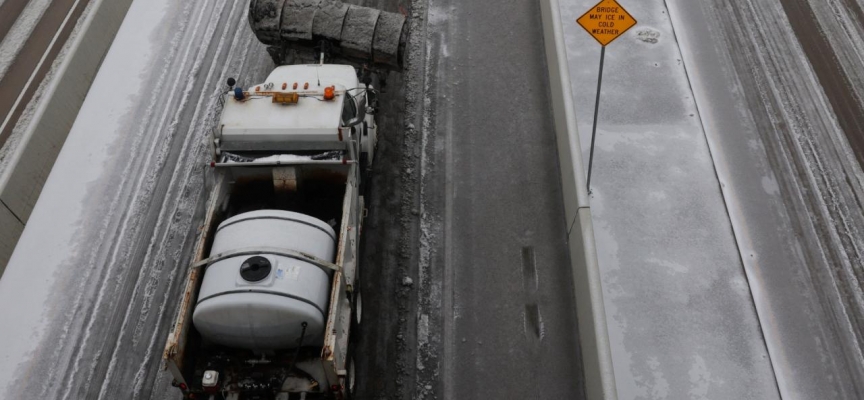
(591, 313)
(32, 160)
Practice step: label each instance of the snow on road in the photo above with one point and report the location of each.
(843, 24)
(11, 146)
(831, 34)
(96, 271)
(14, 41)
(10, 46)
(767, 99)
(791, 179)
(680, 313)
(96, 274)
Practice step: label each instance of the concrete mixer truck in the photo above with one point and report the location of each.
(272, 296)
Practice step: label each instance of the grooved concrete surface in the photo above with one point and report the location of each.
(781, 123)
(681, 319)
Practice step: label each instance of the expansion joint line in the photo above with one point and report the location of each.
(12, 212)
(575, 217)
(714, 161)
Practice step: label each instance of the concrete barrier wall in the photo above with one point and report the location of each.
(591, 314)
(29, 166)
(10, 230)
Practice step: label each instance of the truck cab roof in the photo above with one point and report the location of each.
(259, 122)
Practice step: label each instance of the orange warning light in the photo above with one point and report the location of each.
(285, 98)
(306, 86)
(284, 86)
(329, 93)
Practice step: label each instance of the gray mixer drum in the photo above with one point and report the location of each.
(260, 301)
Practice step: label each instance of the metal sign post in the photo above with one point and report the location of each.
(596, 110)
(605, 22)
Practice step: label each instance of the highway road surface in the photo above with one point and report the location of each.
(123, 203)
(476, 257)
(781, 103)
(496, 315)
(679, 310)
(33, 61)
(466, 277)
(114, 226)
(727, 201)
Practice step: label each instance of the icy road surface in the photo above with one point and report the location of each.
(782, 107)
(466, 273)
(681, 319)
(95, 280)
(27, 52)
(88, 294)
(734, 215)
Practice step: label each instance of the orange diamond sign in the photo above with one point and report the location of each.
(606, 21)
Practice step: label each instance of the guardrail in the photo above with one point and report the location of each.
(31, 162)
(591, 314)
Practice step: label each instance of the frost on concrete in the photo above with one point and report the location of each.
(790, 179)
(681, 319)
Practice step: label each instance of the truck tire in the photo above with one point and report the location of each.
(356, 317)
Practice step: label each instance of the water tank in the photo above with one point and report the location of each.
(260, 301)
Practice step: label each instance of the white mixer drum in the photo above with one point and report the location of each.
(261, 301)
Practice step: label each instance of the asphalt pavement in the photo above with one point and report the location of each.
(465, 273)
(465, 244)
(9, 12)
(33, 62)
(816, 42)
(121, 209)
(495, 278)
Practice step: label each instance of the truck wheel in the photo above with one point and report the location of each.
(367, 147)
